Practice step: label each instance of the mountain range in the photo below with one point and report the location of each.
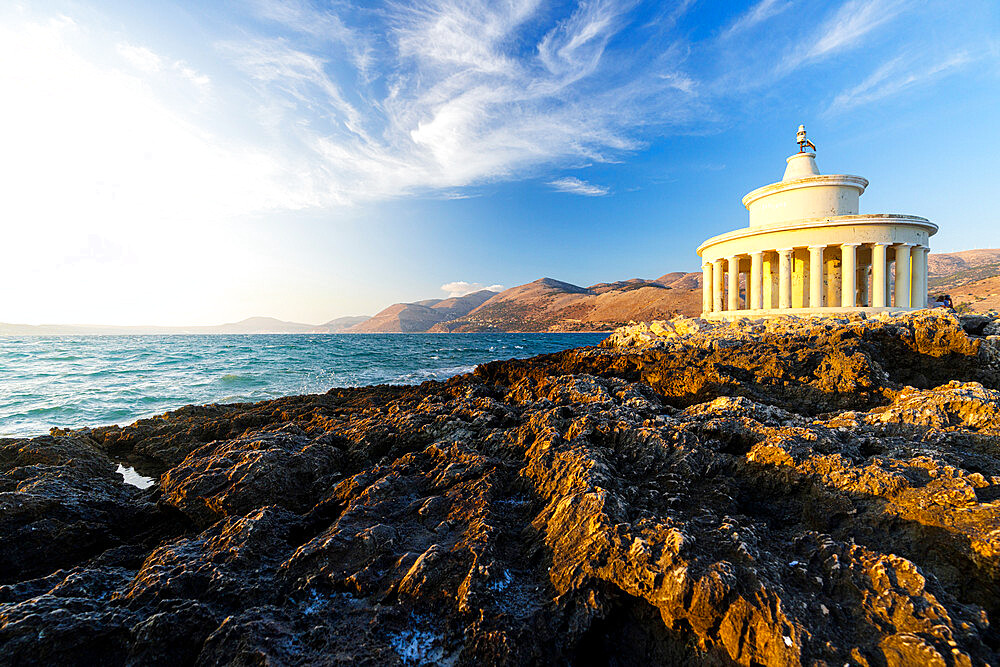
(971, 277)
(251, 325)
(552, 305)
(421, 315)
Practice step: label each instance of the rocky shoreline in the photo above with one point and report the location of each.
(820, 492)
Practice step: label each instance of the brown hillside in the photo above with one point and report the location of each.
(678, 280)
(950, 271)
(398, 318)
(981, 296)
(422, 315)
(941, 264)
(622, 285)
(340, 324)
(669, 278)
(971, 277)
(552, 305)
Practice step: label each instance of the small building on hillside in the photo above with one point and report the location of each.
(809, 251)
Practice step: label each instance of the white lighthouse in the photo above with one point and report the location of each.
(808, 250)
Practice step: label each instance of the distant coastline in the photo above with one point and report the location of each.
(70, 330)
(251, 325)
(546, 305)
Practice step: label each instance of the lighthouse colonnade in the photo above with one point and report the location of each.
(830, 277)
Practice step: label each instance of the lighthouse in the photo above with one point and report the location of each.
(808, 250)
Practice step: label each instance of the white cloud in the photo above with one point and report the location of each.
(892, 78)
(425, 100)
(140, 57)
(148, 62)
(578, 187)
(461, 288)
(199, 80)
(843, 29)
(681, 82)
(853, 21)
(455, 103)
(573, 49)
(757, 14)
(405, 100)
(467, 34)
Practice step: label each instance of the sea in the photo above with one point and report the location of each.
(75, 381)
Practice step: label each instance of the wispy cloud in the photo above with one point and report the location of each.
(843, 29)
(467, 34)
(150, 63)
(298, 76)
(578, 187)
(681, 82)
(140, 57)
(573, 49)
(759, 13)
(323, 26)
(893, 77)
(464, 93)
(343, 103)
(455, 194)
(462, 287)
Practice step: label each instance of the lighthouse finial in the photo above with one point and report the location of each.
(803, 142)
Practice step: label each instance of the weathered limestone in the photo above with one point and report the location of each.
(791, 491)
(809, 212)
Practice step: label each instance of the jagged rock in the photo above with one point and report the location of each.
(795, 491)
(60, 501)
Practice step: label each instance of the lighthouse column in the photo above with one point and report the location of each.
(816, 275)
(784, 278)
(717, 285)
(918, 290)
(706, 287)
(902, 275)
(756, 282)
(848, 275)
(878, 275)
(733, 302)
(865, 295)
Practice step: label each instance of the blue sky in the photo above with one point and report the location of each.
(192, 163)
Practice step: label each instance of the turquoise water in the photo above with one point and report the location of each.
(73, 381)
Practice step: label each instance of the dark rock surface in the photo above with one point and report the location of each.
(821, 493)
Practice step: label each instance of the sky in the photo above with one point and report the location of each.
(183, 163)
